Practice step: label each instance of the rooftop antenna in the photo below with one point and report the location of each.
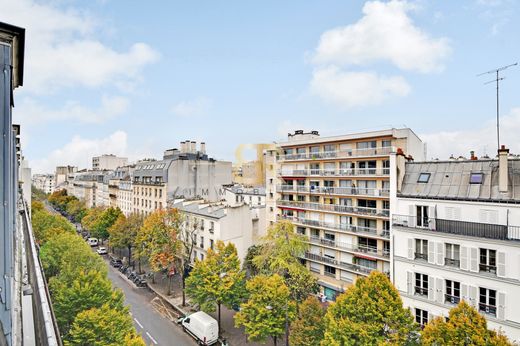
(497, 80)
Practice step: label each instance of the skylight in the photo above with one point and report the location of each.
(476, 178)
(423, 178)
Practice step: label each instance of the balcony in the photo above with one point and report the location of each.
(343, 265)
(488, 309)
(342, 172)
(344, 191)
(150, 183)
(422, 256)
(338, 154)
(451, 299)
(464, 228)
(421, 291)
(337, 208)
(335, 226)
(350, 247)
(452, 262)
(485, 268)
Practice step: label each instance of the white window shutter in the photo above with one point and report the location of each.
(409, 281)
(439, 287)
(440, 254)
(431, 288)
(501, 264)
(411, 219)
(473, 296)
(431, 217)
(431, 252)
(430, 317)
(411, 245)
(464, 258)
(501, 313)
(474, 259)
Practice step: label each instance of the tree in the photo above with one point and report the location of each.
(123, 233)
(370, 313)
(45, 225)
(464, 327)
(217, 279)
(106, 219)
(90, 219)
(249, 267)
(76, 209)
(308, 328)
(157, 240)
(87, 290)
(265, 312)
(103, 326)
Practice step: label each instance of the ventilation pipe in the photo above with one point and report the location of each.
(503, 175)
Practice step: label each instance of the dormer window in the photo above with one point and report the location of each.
(476, 178)
(423, 178)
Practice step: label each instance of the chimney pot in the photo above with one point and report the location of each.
(503, 174)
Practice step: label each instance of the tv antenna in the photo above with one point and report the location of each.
(497, 80)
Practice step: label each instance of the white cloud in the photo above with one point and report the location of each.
(31, 112)
(61, 51)
(79, 152)
(353, 89)
(384, 33)
(197, 107)
(481, 139)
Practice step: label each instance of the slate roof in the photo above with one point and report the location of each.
(451, 180)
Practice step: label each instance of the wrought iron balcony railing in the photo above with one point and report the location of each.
(347, 153)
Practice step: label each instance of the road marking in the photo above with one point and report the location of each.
(136, 321)
(151, 338)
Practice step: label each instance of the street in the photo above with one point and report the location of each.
(154, 328)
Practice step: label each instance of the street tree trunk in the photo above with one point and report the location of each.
(130, 258)
(274, 339)
(169, 284)
(219, 332)
(183, 290)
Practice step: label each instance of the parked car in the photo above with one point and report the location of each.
(92, 242)
(116, 262)
(102, 250)
(201, 326)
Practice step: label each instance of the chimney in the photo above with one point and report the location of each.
(203, 147)
(183, 147)
(472, 156)
(503, 175)
(193, 147)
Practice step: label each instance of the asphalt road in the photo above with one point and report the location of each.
(155, 329)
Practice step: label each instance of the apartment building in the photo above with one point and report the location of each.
(44, 182)
(456, 235)
(187, 173)
(88, 186)
(336, 191)
(63, 175)
(108, 162)
(121, 186)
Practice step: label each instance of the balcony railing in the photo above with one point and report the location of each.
(344, 265)
(465, 228)
(451, 299)
(452, 262)
(335, 226)
(341, 172)
(488, 309)
(347, 191)
(422, 291)
(348, 209)
(332, 275)
(420, 255)
(350, 247)
(487, 268)
(347, 153)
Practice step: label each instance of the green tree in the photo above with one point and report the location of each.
(45, 225)
(308, 328)
(87, 290)
(123, 233)
(103, 326)
(107, 218)
(157, 240)
(187, 238)
(249, 267)
(268, 307)
(464, 327)
(76, 209)
(217, 279)
(370, 313)
(91, 217)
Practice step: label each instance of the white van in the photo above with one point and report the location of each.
(202, 327)
(92, 241)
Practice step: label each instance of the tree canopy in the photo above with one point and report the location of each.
(123, 233)
(308, 328)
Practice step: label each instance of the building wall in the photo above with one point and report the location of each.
(108, 162)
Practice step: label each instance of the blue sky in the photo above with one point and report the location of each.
(134, 78)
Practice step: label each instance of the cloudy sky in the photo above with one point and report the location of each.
(136, 77)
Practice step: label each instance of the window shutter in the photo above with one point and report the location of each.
(440, 254)
(463, 258)
(431, 288)
(464, 292)
(410, 282)
(474, 259)
(430, 317)
(431, 252)
(411, 249)
(473, 296)
(431, 217)
(411, 219)
(501, 263)
(440, 290)
(501, 313)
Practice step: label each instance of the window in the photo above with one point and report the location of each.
(476, 178)
(211, 226)
(452, 292)
(315, 233)
(421, 284)
(421, 317)
(202, 257)
(211, 244)
(421, 249)
(330, 271)
(452, 258)
(488, 261)
(386, 143)
(201, 242)
(366, 145)
(300, 230)
(488, 301)
(423, 178)
(422, 215)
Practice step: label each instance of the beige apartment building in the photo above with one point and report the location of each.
(336, 192)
